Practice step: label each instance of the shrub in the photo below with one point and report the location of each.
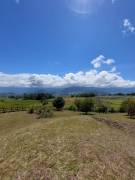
(72, 107)
(44, 102)
(112, 110)
(86, 105)
(124, 106)
(77, 104)
(31, 110)
(39, 109)
(46, 113)
(131, 108)
(102, 109)
(59, 103)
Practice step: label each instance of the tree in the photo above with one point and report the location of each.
(102, 109)
(86, 105)
(101, 106)
(59, 103)
(44, 102)
(124, 106)
(77, 104)
(131, 108)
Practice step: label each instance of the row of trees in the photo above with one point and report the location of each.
(87, 105)
(32, 96)
(128, 106)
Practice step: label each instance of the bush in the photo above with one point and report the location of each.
(44, 112)
(31, 110)
(59, 103)
(72, 107)
(86, 105)
(77, 104)
(112, 110)
(44, 102)
(102, 109)
(124, 106)
(131, 108)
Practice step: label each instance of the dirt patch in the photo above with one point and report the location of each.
(124, 126)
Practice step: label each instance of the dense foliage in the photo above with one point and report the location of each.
(84, 95)
(59, 103)
(38, 96)
(86, 105)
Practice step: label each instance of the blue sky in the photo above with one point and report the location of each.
(63, 37)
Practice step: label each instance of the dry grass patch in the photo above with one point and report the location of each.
(65, 147)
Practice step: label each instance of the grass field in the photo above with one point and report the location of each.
(68, 146)
(10, 105)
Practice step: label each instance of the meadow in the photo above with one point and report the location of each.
(69, 145)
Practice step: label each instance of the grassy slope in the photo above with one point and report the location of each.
(68, 146)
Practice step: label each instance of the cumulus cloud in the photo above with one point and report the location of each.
(98, 61)
(91, 78)
(128, 27)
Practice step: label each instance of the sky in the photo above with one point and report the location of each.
(60, 43)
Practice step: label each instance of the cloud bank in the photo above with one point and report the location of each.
(91, 78)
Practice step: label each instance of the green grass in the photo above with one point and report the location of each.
(7, 105)
(67, 146)
(116, 101)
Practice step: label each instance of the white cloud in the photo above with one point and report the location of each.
(128, 27)
(91, 78)
(98, 61)
(113, 69)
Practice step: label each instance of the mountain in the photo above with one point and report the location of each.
(66, 91)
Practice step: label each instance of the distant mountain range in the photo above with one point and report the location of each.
(66, 91)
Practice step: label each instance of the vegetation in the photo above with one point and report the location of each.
(67, 145)
(44, 112)
(84, 95)
(59, 103)
(78, 104)
(86, 105)
(102, 109)
(12, 105)
(72, 107)
(131, 108)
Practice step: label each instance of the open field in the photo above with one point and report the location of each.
(68, 146)
(11, 105)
